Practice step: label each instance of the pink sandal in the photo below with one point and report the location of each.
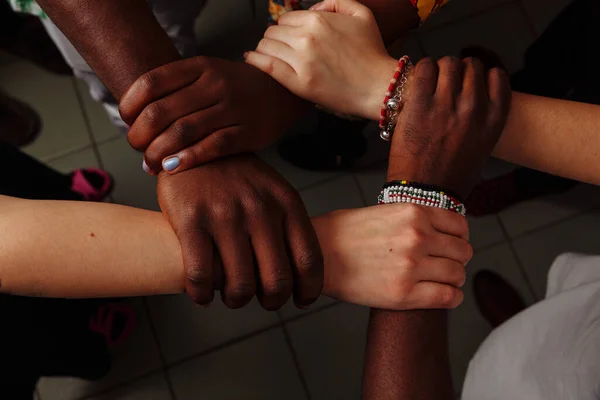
(82, 185)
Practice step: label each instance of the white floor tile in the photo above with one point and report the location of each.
(55, 100)
(334, 195)
(259, 368)
(100, 124)
(460, 9)
(137, 356)
(152, 388)
(502, 29)
(298, 177)
(540, 212)
(82, 159)
(485, 231)
(538, 250)
(542, 12)
(185, 329)
(467, 328)
(330, 348)
(133, 186)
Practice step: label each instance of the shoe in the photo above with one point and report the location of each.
(20, 124)
(496, 299)
(92, 184)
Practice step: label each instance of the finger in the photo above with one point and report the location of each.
(238, 265)
(431, 295)
(276, 281)
(160, 114)
(158, 83)
(346, 7)
(449, 84)
(499, 92)
(183, 133)
(198, 259)
(277, 49)
(279, 70)
(221, 143)
(442, 270)
(489, 58)
(448, 222)
(305, 254)
(423, 85)
(451, 247)
(473, 93)
(282, 33)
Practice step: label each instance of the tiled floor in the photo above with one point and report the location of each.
(180, 351)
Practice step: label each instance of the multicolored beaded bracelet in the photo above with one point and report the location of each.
(416, 193)
(392, 103)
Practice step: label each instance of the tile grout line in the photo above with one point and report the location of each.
(88, 125)
(295, 359)
(161, 353)
(520, 265)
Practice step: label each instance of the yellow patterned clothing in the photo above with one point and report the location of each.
(279, 7)
(426, 8)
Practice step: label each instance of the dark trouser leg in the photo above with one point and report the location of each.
(337, 144)
(25, 177)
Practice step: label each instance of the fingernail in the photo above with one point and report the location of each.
(245, 55)
(145, 167)
(171, 163)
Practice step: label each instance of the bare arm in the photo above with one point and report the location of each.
(76, 249)
(555, 136)
(119, 39)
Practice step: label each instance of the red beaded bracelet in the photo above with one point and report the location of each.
(392, 102)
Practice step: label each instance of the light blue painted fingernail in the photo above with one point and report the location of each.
(171, 163)
(145, 167)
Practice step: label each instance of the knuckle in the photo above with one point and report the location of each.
(145, 83)
(279, 287)
(256, 206)
(223, 212)
(182, 130)
(239, 294)
(446, 297)
(136, 141)
(415, 213)
(310, 264)
(153, 113)
(307, 42)
(468, 252)
(197, 275)
(153, 157)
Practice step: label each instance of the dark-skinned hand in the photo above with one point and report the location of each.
(240, 223)
(196, 110)
(454, 114)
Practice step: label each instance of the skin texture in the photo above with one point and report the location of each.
(121, 41)
(117, 251)
(201, 109)
(460, 108)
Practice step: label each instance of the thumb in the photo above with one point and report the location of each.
(346, 7)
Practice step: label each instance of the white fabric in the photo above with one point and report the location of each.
(551, 350)
(176, 17)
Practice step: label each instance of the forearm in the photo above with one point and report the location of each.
(407, 356)
(77, 249)
(395, 18)
(119, 39)
(555, 136)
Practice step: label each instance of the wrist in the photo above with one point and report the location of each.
(383, 71)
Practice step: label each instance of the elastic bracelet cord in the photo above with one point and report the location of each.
(423, 186)
(421, 194)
